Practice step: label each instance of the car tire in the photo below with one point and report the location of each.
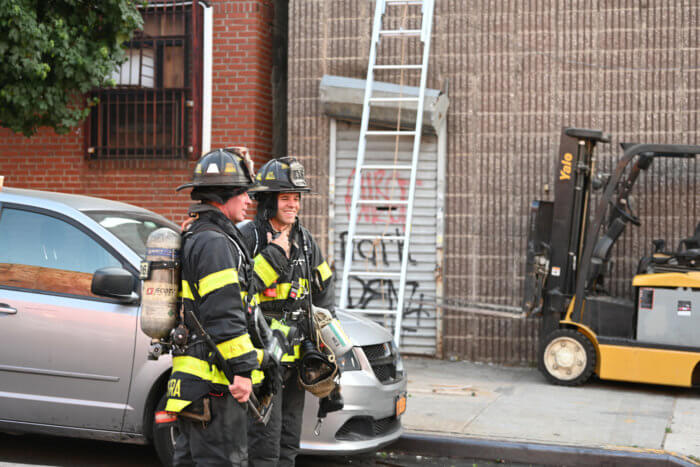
(567, 358)
(164, 436)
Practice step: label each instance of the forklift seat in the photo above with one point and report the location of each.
(687, 256)
(693, 242)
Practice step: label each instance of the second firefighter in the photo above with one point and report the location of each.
(287, 285)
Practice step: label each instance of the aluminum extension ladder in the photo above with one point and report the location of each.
(362, 166)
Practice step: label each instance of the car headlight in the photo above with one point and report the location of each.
(349, 361)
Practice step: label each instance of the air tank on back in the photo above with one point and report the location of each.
(161, 283)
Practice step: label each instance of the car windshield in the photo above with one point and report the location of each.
(131, 228)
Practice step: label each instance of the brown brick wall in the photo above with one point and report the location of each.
(517, 72)
(241, 102)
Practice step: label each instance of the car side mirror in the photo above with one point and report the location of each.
(114, 283)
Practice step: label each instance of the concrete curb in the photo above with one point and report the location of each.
(524, 452)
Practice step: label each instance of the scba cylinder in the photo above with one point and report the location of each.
(161, 286)
(334, 337)
(332, 332)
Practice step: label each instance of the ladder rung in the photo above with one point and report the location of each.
(390, 133)
(368, 311)
(398, 67)
(400, 32)
(382, 201)
(386, 167)
(393, 99)
(375, 274)
(383, 237)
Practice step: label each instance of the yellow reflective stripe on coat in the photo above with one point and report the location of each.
(199, 368)
(290, 358)
(216, 280)
(282, 327)
(324, 270)
(257, 376)
(261, 355)
(186, 291)
(265, 271)
(236, 347)
(282, 291)
(176, 405)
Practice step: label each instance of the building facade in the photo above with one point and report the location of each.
(223, 72)
(515, 73)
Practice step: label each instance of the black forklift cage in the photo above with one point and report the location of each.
(612, 197)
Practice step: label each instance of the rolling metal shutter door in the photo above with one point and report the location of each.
(419, 324)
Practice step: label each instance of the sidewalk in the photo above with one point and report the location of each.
(486, 403)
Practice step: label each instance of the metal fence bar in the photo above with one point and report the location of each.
(147, 114)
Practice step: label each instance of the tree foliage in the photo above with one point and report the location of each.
(52, 52)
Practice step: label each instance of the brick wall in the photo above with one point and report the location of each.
(242, 100)
(517, 72)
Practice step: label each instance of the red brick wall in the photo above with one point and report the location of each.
(241, 102)
(242, 91)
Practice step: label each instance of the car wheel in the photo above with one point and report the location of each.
(567, 358)
(164, 436)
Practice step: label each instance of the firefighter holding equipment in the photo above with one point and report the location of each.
(291, 272)
(215, 277)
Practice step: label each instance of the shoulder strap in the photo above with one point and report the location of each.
(251, 236)
(212, 227)
(305, 246)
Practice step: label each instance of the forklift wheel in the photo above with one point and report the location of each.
(567, 358)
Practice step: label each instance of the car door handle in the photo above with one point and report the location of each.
(7, 309)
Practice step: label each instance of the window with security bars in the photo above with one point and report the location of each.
(154, 110)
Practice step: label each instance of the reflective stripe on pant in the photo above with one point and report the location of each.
(221, 443)
(277, 444)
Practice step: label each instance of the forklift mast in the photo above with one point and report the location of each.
(557, 229)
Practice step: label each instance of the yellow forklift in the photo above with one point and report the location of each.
(651, 337)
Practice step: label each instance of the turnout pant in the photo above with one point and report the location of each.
(221, 442)
(277, 443)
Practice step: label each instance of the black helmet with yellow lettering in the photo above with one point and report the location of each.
(221, 174)
(223, 168)
(283, 175)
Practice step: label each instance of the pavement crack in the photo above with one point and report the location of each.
(667, 431)
(486, 406)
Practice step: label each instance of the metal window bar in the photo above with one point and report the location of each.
(152, 111)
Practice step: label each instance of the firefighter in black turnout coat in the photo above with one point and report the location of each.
(215, 270)
(296, 269)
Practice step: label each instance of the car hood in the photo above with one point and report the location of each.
(363, 331)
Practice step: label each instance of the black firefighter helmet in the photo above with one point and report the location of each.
(283, 175)
(223, 168)
(221, 174)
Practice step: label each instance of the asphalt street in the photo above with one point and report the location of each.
(50, 451)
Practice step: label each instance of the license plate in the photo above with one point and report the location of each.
(400, 404)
